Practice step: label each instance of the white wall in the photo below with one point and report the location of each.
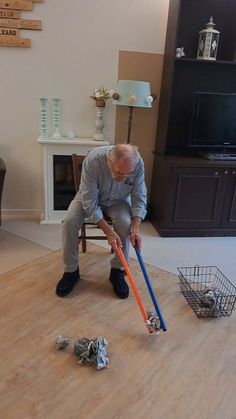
(76, 52)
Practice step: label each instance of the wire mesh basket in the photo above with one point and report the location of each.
(207, 290)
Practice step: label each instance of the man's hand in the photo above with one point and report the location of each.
(136, 238)
(112, 238)
(135, 235)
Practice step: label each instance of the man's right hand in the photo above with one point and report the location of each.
(112, 238)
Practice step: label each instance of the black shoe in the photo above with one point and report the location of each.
(117, 280)
(67, 282)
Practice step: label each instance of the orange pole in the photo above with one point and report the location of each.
(132, 283)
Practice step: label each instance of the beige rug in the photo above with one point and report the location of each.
(16, 251)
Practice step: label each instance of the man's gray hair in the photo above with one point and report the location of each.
(124, 152)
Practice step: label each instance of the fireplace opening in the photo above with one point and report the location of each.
(63, 182)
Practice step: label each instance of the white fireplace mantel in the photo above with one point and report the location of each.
(63, 147)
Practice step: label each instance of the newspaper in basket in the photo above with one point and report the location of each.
(207, 290)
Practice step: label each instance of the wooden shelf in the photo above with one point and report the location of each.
(196, 60)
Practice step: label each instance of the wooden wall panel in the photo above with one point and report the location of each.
(146, 67)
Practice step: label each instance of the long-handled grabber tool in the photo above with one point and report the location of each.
(150, 288)
(151, 321)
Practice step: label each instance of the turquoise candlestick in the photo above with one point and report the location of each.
(44, 118)
(56, 119)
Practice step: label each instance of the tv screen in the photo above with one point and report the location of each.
(213, 121)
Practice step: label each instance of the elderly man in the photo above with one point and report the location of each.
(112, 183)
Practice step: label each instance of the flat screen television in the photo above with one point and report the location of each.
(213, 125)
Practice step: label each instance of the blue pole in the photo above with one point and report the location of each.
(151, 291)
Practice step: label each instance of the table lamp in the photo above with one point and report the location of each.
(134, 94)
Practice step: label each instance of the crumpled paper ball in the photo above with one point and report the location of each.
(92, 351)
(153, 323)
(62, 342)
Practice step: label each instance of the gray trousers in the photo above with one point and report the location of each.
(120, 215)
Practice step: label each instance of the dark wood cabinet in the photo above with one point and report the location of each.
(228, 219)
(2, 177)
(192, 196)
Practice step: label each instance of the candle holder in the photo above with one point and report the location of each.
(56, 119)
(44, 118)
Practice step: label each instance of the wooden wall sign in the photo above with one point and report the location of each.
(9, 14)
(9, 32)
(16, 4)
(11, 22)
(11, 41)
(21, 24)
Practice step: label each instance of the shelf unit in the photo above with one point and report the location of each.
(195, 179)
(196, 60)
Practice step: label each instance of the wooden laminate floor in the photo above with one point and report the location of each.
(188, 372)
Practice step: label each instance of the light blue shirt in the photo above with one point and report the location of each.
(98, 190)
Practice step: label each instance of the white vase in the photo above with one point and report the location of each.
(99, 125)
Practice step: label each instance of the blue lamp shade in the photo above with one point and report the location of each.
(133, 93)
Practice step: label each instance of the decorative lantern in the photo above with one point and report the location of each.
(208, 42)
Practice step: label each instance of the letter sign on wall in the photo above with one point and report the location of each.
(11, 22)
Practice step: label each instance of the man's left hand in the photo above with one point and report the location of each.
(134, 235)
(135, 238)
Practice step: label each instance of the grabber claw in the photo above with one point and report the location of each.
(146, 317)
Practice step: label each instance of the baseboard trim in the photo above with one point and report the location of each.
(21, 214)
